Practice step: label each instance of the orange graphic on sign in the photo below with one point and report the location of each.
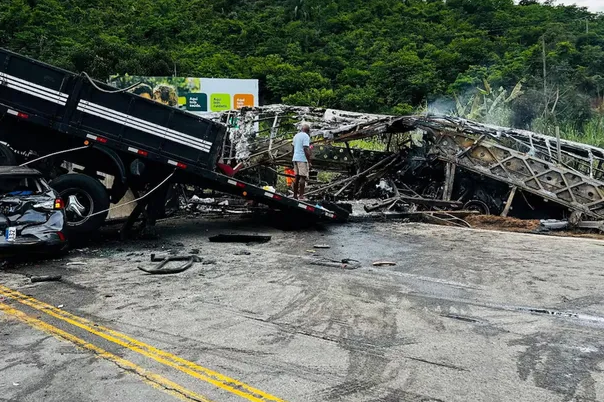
(243, 100)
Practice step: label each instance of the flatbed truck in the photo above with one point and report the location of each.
(68, 117)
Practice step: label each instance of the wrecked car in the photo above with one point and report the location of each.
(32, 216)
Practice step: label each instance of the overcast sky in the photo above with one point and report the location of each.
(593, 5)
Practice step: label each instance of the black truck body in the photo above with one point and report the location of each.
(46, 109)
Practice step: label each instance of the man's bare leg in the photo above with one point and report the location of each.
(302, 185)
(297, 186)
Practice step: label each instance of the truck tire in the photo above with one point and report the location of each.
(7, 156)
(83, 196)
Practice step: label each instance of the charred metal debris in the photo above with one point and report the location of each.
(421, 164)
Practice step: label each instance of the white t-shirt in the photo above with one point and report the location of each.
(301, 140)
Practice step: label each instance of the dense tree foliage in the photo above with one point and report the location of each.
(388, 56)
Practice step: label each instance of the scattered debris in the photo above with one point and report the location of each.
(74, 263)
(47, 278)
(60, 306)
(345, 263)
(461, 318)
(242, 252)
(207, 201)
(209, 206)
(384, 264)
(159, 257)
(405, 200)
(552, 224)
(160, 270)
(223, 238)
(331, 264)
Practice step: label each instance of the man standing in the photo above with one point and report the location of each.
(301, 160)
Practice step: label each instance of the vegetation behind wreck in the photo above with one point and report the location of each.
(382, 56)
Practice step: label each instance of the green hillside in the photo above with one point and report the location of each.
(382, 56)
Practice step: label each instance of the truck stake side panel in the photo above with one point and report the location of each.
(136, 121)
(34, 87)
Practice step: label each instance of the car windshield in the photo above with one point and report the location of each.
(20, 185)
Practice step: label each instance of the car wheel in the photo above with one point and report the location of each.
(83, 196)
(7, 156)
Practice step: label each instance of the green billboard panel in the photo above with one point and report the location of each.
(197, 102)
(220, 102)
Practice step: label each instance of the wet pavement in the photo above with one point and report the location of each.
(465, 315)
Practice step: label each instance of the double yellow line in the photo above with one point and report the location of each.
(155, 380)
(192, 369)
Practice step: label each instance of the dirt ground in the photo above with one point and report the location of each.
(465, 315)
(508, 224)
(501, 223)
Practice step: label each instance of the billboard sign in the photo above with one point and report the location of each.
(196, 95)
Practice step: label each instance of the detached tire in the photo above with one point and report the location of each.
(83, 196)
(477, 205)
(7, 156)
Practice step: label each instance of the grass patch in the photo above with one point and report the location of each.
(369, 144)
(591, 132)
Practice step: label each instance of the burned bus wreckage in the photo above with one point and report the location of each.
(422, 163)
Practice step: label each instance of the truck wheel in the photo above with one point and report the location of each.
(7, 156)
(83, 196)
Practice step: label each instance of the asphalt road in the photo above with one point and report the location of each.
(464, 316)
